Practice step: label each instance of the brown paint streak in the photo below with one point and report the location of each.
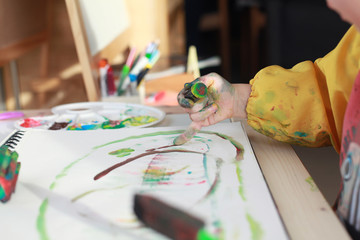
(148, 152)
(153, 149)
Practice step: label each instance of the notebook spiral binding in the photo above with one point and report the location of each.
(14, 139)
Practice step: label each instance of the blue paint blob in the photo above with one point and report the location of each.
(300, 134)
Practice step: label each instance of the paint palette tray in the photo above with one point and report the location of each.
(94, 116)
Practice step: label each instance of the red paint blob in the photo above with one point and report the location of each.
(29, 122)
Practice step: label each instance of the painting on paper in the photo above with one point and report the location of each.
(80, 185)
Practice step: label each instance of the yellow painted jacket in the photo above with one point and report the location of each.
(305, 105)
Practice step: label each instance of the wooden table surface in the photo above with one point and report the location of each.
(304, 210)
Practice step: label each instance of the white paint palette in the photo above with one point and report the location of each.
(94, 116)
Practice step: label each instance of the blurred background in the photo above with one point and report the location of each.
(246, 34)
(38, 51)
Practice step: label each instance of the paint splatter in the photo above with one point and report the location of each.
(74, 199)
(312, 184)
(30, 123)
(59, 125)
(80, 126)
(212, 188)
(138, 121)
(269, 96)
(300, 134)
(294, 85)
(255, 227)
(241, 184)
(128, 122)
(41, 220)
(122, 152)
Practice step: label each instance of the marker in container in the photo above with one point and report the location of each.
(103, 68)
(134, 73)
(154, 58)
(126, 69)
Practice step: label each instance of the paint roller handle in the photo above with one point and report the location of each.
(9, 170)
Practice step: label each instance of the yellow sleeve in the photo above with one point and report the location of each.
(305, 105)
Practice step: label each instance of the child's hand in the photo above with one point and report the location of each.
(221, 102)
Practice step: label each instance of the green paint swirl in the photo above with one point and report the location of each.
(241, 185)
(255, 228)
(96, 190)
(40, 222)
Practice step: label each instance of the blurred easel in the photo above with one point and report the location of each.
(159, 25)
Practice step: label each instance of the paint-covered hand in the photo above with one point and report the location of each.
(9, 170)
(220, 101)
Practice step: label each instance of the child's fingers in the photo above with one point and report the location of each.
(204, 113)
(209, 79)
(200, 105)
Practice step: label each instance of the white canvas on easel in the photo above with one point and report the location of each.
(215, 176)
(103, 20)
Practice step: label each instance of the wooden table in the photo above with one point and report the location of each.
(304, 210)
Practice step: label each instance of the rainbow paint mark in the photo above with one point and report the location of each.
(128, 122)
(157, 174)
(80, 126)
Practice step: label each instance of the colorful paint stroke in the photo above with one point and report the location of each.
(91, 178)
(152, 166)
(30, 123)
(128, 122)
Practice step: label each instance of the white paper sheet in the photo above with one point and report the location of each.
(57, 197)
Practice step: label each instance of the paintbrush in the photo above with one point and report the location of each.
(168, 220)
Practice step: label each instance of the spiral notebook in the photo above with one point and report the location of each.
(80, 185)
